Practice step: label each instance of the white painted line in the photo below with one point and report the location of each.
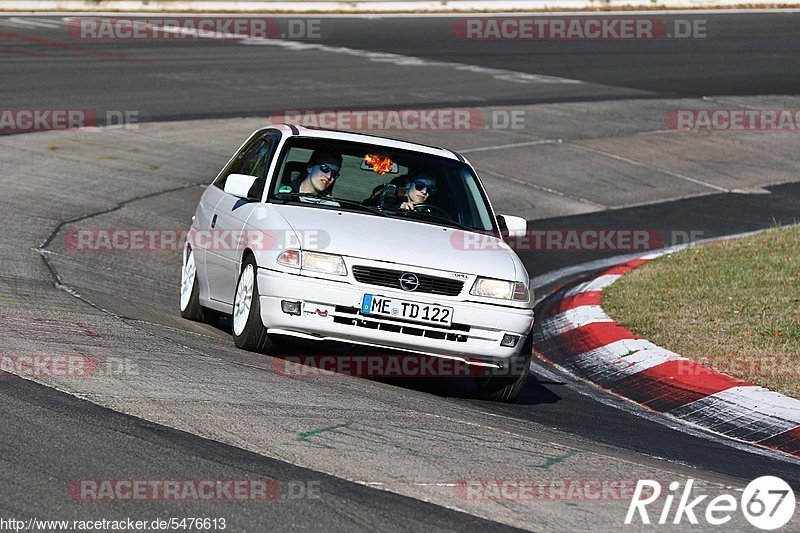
(572, 319)
(620, 359)
(661, 253)
(728, 101)
(33, 23)
(538, 187)
(512, 145)
(377, 57)
(597, 284)
(410, 61)
(650, 167)
(753, 397)
(747, 412)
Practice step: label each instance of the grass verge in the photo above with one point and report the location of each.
(733, 306)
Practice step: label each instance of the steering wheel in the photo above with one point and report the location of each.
(432, 210)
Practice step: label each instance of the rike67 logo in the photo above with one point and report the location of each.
(767, 502)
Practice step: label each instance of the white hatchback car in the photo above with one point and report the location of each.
(327, 235)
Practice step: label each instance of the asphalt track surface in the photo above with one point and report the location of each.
(52, 436)
(756, 54)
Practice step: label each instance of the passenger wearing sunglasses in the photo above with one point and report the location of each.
(321, 173)
(418, 191)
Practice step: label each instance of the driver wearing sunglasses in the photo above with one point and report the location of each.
(321, 173)
(418, 191)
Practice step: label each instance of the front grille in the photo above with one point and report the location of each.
(385, 277)
(407, 329)
(352, 317)
(455, 326)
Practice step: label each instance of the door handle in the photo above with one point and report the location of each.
(213, 221)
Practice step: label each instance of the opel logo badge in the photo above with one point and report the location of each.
(409, 281)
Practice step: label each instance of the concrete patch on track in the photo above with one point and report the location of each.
(191, 377)
(703, 160)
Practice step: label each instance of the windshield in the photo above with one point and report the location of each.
(381, 181)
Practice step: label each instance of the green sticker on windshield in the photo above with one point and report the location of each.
(284, 188)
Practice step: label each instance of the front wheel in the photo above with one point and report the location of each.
(190, 290)
(249, 332)
(507, 387)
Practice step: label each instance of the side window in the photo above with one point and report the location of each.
(253, 160)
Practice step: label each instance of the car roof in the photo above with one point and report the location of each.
(322, 133)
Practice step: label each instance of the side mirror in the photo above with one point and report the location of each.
(239, 185)
(511, 226)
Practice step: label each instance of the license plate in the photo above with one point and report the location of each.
(372, 304)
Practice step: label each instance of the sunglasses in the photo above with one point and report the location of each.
(422, 185)
(325, 169)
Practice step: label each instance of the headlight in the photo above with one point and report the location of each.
(325, 263)
(313, 261)
(289, 258)
(500, 289)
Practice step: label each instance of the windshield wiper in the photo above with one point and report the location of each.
(285, 195)
(433, 218)
(353, 203)
(349, 203)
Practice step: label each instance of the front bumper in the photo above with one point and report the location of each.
(331, 311)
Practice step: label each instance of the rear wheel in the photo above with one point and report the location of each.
(506, 387)
(249, 332)
(190, 290)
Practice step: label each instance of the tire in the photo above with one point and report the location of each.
(190, 290)
(248, 331)
(506, 388)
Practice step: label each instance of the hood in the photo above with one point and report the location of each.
(400, 241)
